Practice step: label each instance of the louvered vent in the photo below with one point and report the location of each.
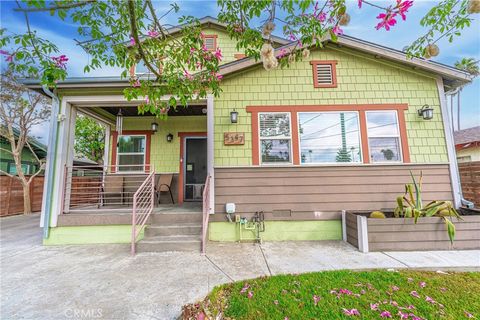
(210, 43)
(324, 74)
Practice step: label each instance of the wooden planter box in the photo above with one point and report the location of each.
(398, 234)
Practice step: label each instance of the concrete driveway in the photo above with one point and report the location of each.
(105, 282)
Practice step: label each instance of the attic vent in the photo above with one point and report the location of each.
(324, 74)
(210, 42)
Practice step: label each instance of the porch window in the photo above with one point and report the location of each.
(275, 138)
(383, 136)
(329, 137)
(131, 153)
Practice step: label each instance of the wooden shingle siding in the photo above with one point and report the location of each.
(324, 189)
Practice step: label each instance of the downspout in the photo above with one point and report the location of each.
(463, 201)
(52, 151)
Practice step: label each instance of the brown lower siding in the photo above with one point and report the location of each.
(310, 189)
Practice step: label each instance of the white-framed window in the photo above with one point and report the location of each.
(383, 136)
(131, 153)
(275, 138)
(210, 42)
(329, 137)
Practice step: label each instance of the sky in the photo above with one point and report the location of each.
(362, 26)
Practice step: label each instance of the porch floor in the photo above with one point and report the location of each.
(186, 207)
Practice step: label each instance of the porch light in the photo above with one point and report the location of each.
(154, 127)
(169, 137)
(119, 123)
(426, 112)
(234, 116)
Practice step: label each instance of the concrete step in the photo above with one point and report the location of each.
(175, 218)
(169, 243)
(183, 229)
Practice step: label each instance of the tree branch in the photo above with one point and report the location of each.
(59, 7)
(8, 174)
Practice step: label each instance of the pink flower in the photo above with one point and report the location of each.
(373, 306)
(360, 4)
(218, 54)
(422, 284)
(409, 279)
(137, 83)
(394, 303)
(336, 30)
(468, 314)
(403, 315)
(411, 307)
(443, 289)
(132, 41)
(250, 295)
(414, 317)
(246, 286)
(415, 294)
(275, 302)
(395, 288)
(351, 312)
(187, 75)
(147, 100)
(9, 58)
(322, 16)
(60, 61)
(316, 299)
(345, 291)
(385, 314)
(388, 20)
(403, 8)
(153, 33)
(192, 50)
(292, 37)
(429, 299)
(363, 291)
(201, 316)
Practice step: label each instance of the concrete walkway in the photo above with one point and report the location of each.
(105, 282)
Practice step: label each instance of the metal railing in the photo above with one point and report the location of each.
(108, 187)
(206, 212)
(143, 203)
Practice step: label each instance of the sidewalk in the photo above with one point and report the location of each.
(105, 282)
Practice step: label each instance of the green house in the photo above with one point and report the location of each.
(277, 156)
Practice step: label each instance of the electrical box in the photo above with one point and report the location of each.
(230, 208)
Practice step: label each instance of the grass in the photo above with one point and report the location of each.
(333, 294)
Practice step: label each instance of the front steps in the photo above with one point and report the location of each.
(172, 232)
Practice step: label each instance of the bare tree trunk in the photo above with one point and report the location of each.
(27, 204)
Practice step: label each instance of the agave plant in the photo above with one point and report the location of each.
(410, 205)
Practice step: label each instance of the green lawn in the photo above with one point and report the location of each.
(346, 295)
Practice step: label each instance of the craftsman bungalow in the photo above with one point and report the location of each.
(339, 130)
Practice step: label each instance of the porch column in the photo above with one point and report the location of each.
(210, 150)
(452, 155)
(60, 154)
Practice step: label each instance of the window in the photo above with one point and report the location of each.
(383, 136)
(324, 74)
(131, 153)
(12, 169)
(210, 41)
(275, 138)
(329, 137)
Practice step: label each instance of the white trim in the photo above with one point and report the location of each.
(144, 153)
(210, 150)
(344, 225)
(329, 163)
(398, 136)
(340, 164)
(452, 156)
(362, 229)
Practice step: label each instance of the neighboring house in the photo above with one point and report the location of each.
(339, 130)
(30, 164)
(467, 144)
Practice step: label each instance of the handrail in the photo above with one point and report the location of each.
(142, 208)
(206, 212)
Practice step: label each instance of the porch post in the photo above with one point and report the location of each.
(452, 155)
(210, 151)
(70, 152)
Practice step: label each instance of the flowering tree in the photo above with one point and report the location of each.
(122, 33)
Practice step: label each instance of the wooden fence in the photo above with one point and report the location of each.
(11, 195)
(470, 178)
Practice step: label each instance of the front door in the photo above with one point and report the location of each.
(195, 168)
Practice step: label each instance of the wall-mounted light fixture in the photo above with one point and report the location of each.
(169, 137)
(426, 112)
(119, 122)
(154, 127)
(234, 116)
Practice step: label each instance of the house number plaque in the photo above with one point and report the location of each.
(233, 138)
